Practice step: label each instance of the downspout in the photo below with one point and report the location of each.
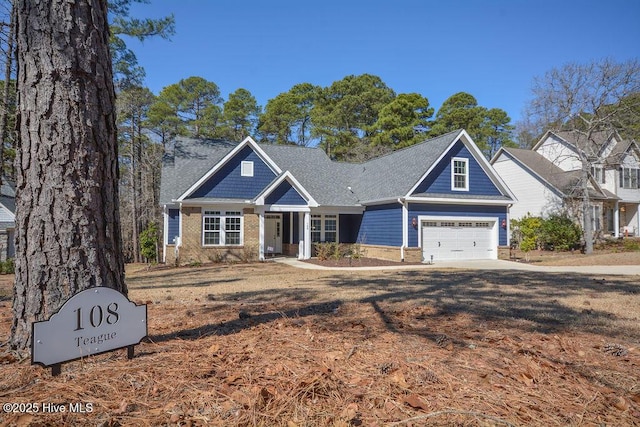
(405, 227)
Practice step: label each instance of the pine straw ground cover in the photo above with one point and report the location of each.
(269, 345)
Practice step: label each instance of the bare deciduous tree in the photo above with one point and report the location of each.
(588, 99)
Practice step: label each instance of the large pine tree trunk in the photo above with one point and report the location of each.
(67, 220)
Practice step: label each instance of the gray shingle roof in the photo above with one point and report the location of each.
(394, 174)
(189, 161)
(329, 182)
(565, 182)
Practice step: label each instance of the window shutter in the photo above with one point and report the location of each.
(621, 177)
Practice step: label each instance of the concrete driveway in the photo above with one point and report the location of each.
(625, 270)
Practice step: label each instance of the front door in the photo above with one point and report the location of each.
(272, 234)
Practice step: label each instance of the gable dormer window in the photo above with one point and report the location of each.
(459, 174)
(246, 169)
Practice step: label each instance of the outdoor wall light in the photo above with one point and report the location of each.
(414, 222)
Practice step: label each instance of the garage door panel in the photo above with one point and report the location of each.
(457, 240)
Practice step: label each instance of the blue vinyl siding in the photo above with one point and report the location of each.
(173, 228)
(229, 184)
(439, 180)
(296, 218)
(349, 227)
(381, 225)
(286, 231)
(416, 210)
(285, 194)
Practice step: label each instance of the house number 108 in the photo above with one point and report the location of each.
(97, 316)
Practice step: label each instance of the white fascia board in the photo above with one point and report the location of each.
(296, 185)
(248, 141)
(559, 139)
(542, 140)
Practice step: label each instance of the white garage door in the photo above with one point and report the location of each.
(453, 240)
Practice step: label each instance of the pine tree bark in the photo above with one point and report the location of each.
(67, 219)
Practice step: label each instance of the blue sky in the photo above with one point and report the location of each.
(491, 49)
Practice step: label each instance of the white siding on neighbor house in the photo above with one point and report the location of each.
(628, 194)
(533, 196)
(610, 181)
(6, 215)
(559, 154)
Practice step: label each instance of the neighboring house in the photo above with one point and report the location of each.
(7, 220)
(436, 200)
(547, 180)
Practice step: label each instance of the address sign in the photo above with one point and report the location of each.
(91, 322)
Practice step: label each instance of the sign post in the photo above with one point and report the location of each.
(93, 321)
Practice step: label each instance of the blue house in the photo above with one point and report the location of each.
(437, 200)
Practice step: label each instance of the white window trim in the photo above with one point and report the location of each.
(453, 174)
(323, 218)
(599, 173)
(223, 216)
(628, 172)
(246, 168)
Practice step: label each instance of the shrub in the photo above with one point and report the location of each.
(216, 256)
(249, 253)
(328, 250)
(526, 232)
(356, 251)
(7, 267)
(149, 242)
(559, 232)
(336, 251)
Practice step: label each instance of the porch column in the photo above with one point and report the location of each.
(261, 236)
(307, 235)
(300, 236)
(405, 228)
(616, 219)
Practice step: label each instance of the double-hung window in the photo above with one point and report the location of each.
(222, 228)
(629, 177)
(598, 173)
(324, 228)
(459, 174)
